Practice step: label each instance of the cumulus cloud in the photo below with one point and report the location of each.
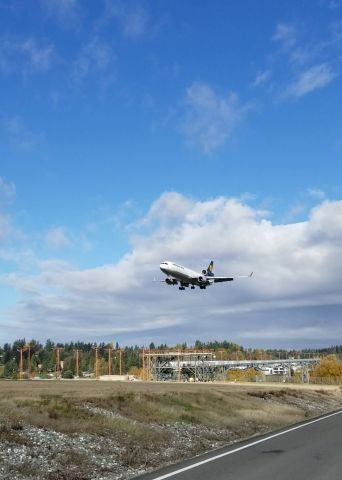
(296, 286)
(210, 118)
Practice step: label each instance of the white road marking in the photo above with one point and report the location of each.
(230, 452)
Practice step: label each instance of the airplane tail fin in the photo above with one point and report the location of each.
(210, 268)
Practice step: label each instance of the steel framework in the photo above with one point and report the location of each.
(202, 366)
(178, 365)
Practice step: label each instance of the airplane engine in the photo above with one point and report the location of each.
(202, 280)
(204, 272)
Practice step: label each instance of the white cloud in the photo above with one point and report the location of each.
(326, 223)
(211, 118)
(316, 77)
(5, 226)
(20, 136)
(169, 206)
(302, 63)
(297, 209)
(317, 193)
(39, 58)
(7, 232)
(57, 238)
(66, 12)
(334, 4)
(7, 192)
(286, 35)
(24, 56)
(261, 78)
(96, 56)
(132, 17)
(296, 285)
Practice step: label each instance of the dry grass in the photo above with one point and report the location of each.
(58, 407)
(143, 416)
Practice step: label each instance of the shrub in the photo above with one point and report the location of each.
(328, 367)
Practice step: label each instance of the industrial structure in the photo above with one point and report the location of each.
(174, 364)
(203, 366)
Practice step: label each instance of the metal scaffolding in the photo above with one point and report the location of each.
(202, 366)
(178, 365)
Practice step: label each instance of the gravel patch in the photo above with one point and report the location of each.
(31, 453)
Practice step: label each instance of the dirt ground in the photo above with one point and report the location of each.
(84, 388)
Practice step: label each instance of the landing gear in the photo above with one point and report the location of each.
(181, 288)
(202, 287)
(192, 287)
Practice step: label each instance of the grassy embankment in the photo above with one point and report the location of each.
(147, 420)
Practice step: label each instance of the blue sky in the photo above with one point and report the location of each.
(120, 119)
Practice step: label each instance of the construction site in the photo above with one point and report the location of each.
(167, 365)
(204, 366)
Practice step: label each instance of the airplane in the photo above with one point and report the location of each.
(185, 277)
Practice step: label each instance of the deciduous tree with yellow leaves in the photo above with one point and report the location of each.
(329, 367)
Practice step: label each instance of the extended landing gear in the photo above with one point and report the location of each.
(192, 287)
(181, 288)
(202, 287)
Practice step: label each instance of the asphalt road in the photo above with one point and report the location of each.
(307, 451)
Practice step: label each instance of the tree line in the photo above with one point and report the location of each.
(34, 358)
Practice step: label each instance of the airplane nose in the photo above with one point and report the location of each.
(163, 267)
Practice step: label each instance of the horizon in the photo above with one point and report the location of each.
(179, 346)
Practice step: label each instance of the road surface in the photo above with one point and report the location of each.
(311, 450)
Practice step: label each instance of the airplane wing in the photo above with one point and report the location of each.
(169, 281)
(228, 279)
(221, 279)
(156, 280)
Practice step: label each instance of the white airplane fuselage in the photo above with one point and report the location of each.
(184, 275)
(178, 275)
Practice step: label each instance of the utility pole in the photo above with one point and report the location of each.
(77, 364)
(96, 348)
(21, 363)
(28, 348)
(143, 362)
(120, 361)
(109, 350)
(58, 368)
(179, 372)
